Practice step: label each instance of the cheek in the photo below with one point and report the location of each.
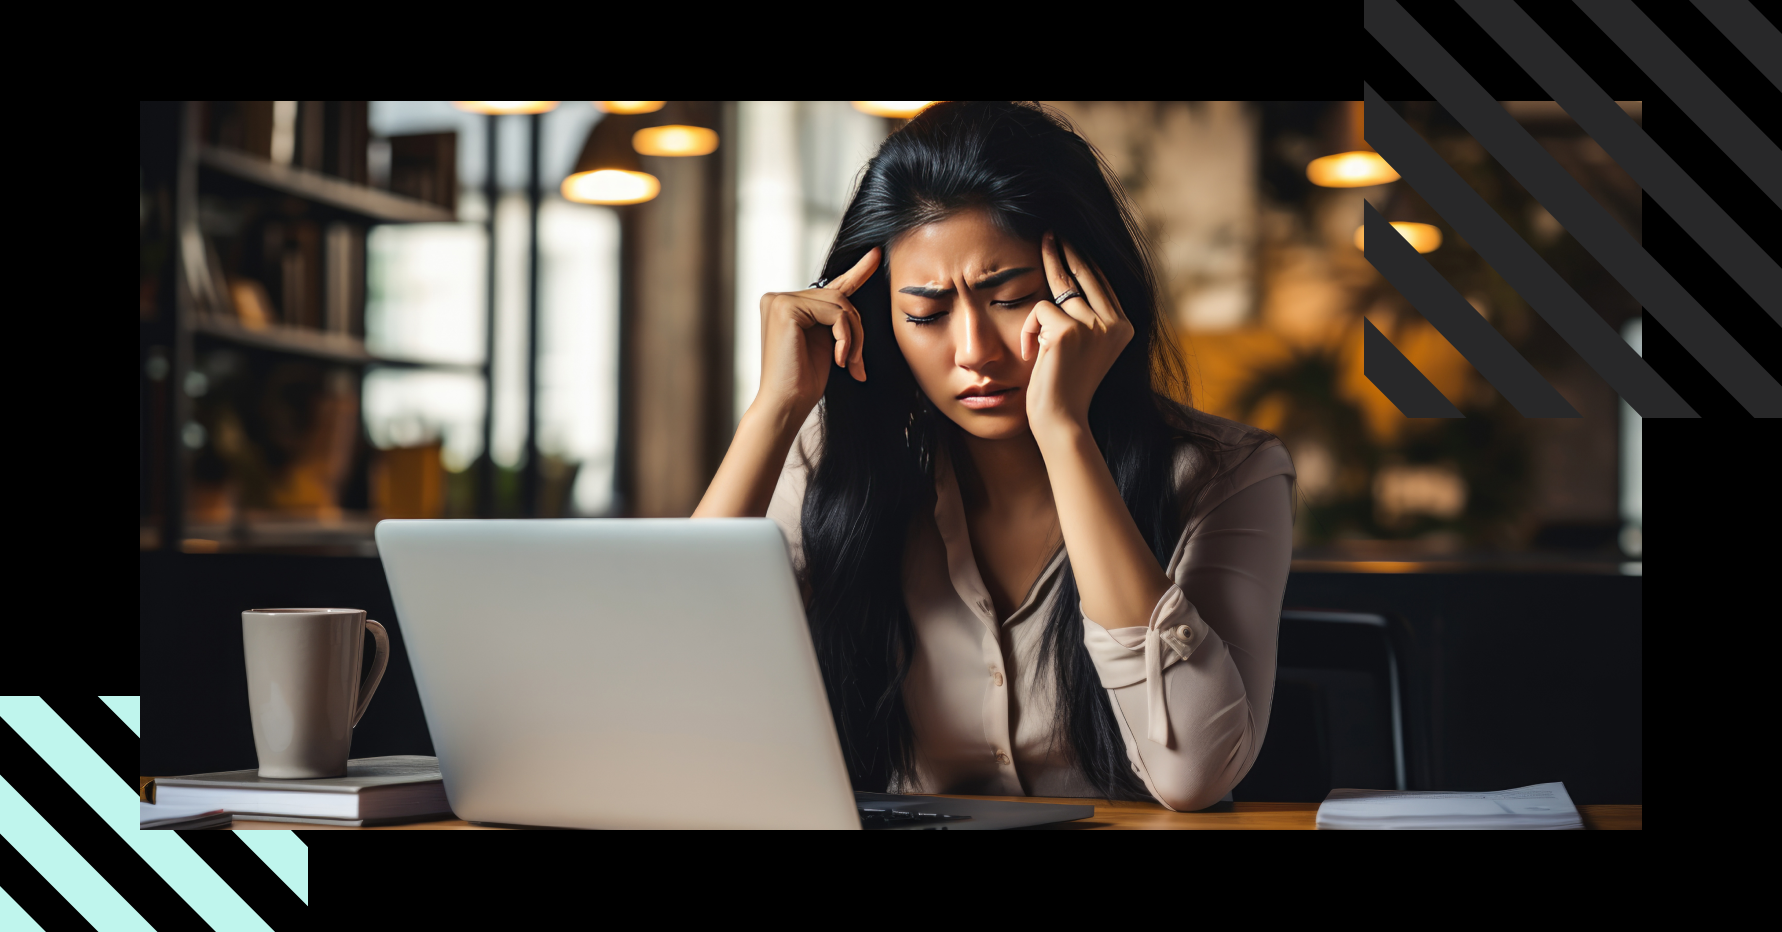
(928, 350)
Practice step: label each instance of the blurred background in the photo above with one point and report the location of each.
(351, 310)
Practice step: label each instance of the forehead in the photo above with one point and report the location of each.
(966, 243)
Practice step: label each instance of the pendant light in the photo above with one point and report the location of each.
(1423, 237)
(629, 106)
(676, 132)
(896, 109)
(1359, 167)
(1350, 170)
(504, 107)
(607, 171)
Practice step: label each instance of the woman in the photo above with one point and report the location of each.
(1027, 570)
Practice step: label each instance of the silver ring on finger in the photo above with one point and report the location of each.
(820, 283)
(1073, 293)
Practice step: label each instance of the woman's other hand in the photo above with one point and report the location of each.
(804, 332)
(1073, 344)
(1076, 342)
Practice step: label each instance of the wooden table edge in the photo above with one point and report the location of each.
(1109, 814)
(1117, 815)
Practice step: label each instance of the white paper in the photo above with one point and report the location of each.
(1542, 806)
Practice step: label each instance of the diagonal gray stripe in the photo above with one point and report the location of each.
(1609, 125)
(1398, 380)
(1678, 77)
(1631, 265)
(1746, 28)
(1561, 307)
(1443, 307)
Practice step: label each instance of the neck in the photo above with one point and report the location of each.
(1005, 474)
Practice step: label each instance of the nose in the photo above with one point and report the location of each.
(978, 343)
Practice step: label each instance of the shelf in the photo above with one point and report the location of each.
(300, 341)
(316, 344)
(371, 204)
(348, 535)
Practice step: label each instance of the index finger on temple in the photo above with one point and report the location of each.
(857, 276)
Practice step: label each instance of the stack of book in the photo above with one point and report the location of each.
(375, 791)
(183, 817)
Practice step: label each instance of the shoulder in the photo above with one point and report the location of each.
(1218, 457)
(807, 448)
(786, 508)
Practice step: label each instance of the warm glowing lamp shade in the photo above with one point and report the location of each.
(611, 186)
(607, 171)
(1350, 170)
(681, 128)
(675, 140)
(630, 106)
(899, 109)
(503, 107)
(1422, 236)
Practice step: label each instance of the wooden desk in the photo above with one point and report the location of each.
(1108, 815)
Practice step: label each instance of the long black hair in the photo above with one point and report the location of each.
(1024, 166)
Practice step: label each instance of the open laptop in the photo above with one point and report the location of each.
(648, 673)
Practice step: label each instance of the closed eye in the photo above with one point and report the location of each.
(1017, 302)
(926, 320)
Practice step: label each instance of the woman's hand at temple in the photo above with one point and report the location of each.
(1073, 345)
(1076, 343)
(803, 335)
(802, 331)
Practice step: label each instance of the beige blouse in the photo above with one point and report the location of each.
(1191, 690)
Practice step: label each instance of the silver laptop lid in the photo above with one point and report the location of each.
(647, 673)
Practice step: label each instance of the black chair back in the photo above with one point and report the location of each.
(1338, 715)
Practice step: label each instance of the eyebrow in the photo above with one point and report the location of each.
(999, 278)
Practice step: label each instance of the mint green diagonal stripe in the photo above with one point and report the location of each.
(128, 708)
(286, 854)
(39, 843)
(282, 850)
(98, 784)
(13, 916)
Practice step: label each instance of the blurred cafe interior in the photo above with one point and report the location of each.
(356, 310)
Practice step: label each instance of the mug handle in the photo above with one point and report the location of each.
(378, 663)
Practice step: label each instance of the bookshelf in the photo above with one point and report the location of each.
(252, 291)
(365, 203)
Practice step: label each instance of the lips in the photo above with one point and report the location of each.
(988, 397)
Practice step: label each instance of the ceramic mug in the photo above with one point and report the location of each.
(304, 694)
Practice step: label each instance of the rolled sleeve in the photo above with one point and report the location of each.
(1126, 656)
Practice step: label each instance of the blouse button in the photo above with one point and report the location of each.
(1183, 632)
(1001, 757)
(996, 677)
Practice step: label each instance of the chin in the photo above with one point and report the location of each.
(986, 425)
